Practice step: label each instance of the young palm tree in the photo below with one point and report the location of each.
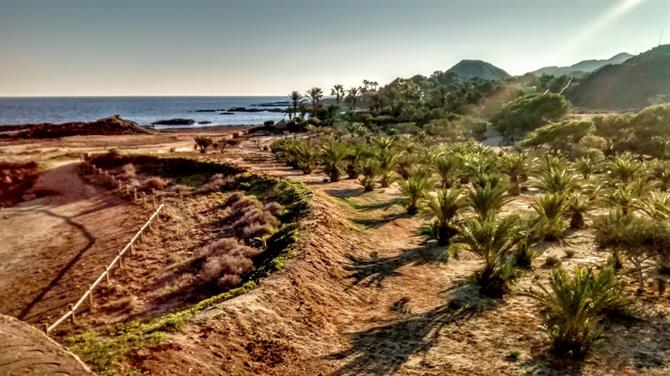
(444, 205)
(338, 92)
(625, 198)
(414, 189)
(578, 205)
(296, 101)
(551, 209)
(586, 167)
(447, 168)
(575, 306)
(488, 199)
(657, 205)
(659, 171)
(333, 156)
(624, 168)
(515, 165)
(352, 97)
(370, 170)
(386, 158)
(315, 94)
(306, 156)
(492, 240)
(404, 163)
(561, 181)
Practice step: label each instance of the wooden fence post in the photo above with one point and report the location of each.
(71, 306)
(90, 300)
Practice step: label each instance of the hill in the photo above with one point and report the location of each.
(467, 69)
(583, 67)
(641, 81)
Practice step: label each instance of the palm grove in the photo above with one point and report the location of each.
(607, 174)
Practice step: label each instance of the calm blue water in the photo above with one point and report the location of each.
(143, 110)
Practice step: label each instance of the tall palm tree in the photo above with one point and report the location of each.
(338, 92)
(353, 96)
(296, 100)
(315, 94)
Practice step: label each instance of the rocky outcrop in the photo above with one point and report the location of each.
(113, 125)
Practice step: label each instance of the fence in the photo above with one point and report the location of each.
(105, 274)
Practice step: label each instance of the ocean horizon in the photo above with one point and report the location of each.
(145, 110)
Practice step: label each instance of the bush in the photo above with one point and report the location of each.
(529, 112)
(226, 261)
(551, 209)
(636, 238)
(154, 184)
(574, 307)
(203, 143)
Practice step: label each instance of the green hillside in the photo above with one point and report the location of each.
(639, 82)
(583, 67)
(467, 69)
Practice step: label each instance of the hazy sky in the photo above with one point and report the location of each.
(118, 47)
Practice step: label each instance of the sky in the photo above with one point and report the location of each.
(207, 47)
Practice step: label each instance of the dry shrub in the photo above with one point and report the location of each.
(274, 208)
(128, 171)
(217, 183)
(226, 261)
(154, 184)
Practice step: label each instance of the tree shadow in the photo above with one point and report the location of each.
(373, 223)
(345, 192)
(382, 350)
(90, 240)
(374, 270)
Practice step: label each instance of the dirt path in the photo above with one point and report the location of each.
(54, 246)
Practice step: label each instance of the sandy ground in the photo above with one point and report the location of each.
(365, 295)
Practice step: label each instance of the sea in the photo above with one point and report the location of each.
(205, 111)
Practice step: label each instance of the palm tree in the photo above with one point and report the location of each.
(413, 190)
(624, 167)
(586, 166)
(578, 205)
(315, 94)
(338, 92)
(487, 200)
(575, 306)
(386, 158)
(333, 156)
(551, 209)
(353, 96)
(557, 180)
(444, 205)
(516, 166)
(369, 168)
(447, 168)
(492, 240)
(296, 101)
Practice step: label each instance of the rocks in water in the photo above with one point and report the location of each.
(175, 121)
(244, 109)
(204, 122)
(273, 104)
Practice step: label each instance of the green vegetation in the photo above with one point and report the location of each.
(529, 112)
(575, 306)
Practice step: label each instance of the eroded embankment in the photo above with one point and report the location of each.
(167, 291)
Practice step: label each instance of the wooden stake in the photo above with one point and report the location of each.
(72, 315)
(90, 300)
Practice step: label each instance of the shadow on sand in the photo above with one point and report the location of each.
(382, 350)
(374, 270)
